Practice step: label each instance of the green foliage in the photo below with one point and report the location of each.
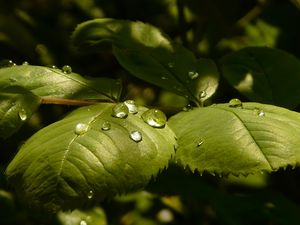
(90, 155)
(253, 137)
(264, 75)
(126, 142)
(150, 55)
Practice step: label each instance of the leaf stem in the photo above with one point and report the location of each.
(61, 101)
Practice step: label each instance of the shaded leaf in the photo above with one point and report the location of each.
(17, 106)
(78, 160)
(237, 140)
(148, 54)
(264, 75)
(95, 216)
(54, 83)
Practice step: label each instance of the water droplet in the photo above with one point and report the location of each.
(235, 102)
(200, 142)
(136, 136)
(187, 108)
(90, 194)
(193, 75)
(83, 222)
(53, 66)
(171, 65)
(22, 114)
(81, 128)
(132, 108)
(154, 118)
(164, 78)
(261, 113)
(106, 126)
(202, 94)
(67, 69)
(120, 110)
(25, 63)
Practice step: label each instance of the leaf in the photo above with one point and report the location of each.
(237, 140)
(54, 83)
(95, 216)
(264, 75)
(78, 160)
(17, 106)
(148, 54)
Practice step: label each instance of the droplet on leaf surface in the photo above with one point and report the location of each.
(81, 128)
(22, 114)
(132, 108)
(136, 136)
(106, 126)
(67, 69)
(154, 118)
(235, 102)
(193, 75)
(90, 194)
(120, 110)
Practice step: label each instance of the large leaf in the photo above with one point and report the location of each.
(148, 54)
(55, 83)
(264, 75)
(82, 158)
(17, 106)
(238, 140)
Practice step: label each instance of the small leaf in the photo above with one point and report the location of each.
(148, 54)
(75, 161)
(94, 216)
(237, 140)
(17, 106)
(264, 75)
(54, 83)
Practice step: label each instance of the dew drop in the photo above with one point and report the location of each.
(67, 69)
(235, 102)
(261, 113)
(25, 63)
(22, 114)
(200, 142)
(132, 108)
(11, 63)
(83, 222)
(154, 118)
(193, 75)
(171, 65)
(90, 194)
(81, 128)
(187, 108)
(202, 94)
(53, 67)
(120, 110)
(164, 78)
(136, 136)
(106, 126)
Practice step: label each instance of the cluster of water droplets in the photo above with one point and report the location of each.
(236, 103)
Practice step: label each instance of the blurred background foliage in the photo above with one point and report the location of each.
(38, 31)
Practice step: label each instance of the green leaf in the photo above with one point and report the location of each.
(17, 106)
(237, 140)
(264, 75)
(148, 54)
(89, 156)
(95, 216)
(54, 83)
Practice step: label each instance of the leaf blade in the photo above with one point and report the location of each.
(264, 75)
(246, 140)
(54, 83)
(148, 54)
(59, 167)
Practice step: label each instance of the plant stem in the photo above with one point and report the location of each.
(61, 101)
